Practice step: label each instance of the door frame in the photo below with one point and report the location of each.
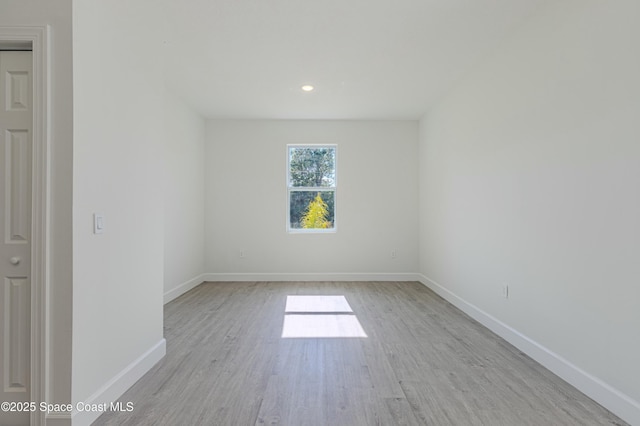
(38, 37)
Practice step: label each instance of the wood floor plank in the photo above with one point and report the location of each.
(423, 362)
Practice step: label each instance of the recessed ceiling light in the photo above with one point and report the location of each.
(307, 88)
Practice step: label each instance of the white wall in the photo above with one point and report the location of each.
(118, 149)
(529, 177)
(56, 14)
(183, 175)
(246, 201)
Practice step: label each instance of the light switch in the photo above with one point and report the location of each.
(98, 223)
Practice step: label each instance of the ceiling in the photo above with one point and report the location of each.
(368, 59)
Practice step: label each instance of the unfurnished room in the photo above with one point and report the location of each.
(286, 212)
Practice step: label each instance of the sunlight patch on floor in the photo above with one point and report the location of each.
(320, 317)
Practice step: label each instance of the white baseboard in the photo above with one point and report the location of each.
(615, 401)
(346, 276)
(183, 288)
(114, 388)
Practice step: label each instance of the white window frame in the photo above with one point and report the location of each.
(333, 189)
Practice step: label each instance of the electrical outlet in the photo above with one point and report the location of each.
(505, 291)
(394, 254)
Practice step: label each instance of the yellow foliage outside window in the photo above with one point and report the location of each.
(316, 215)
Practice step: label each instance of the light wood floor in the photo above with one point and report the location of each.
(423, 363)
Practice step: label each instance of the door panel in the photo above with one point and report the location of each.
(17, 183)
(16, 358)
(15, 232)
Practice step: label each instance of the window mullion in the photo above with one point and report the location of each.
(312, 188)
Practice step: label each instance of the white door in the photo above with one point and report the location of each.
(15, 232)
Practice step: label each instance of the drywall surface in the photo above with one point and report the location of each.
(118, 150)
(246, 201)
(183, 174)
(529, 174)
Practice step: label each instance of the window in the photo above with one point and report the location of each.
(311, 187)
